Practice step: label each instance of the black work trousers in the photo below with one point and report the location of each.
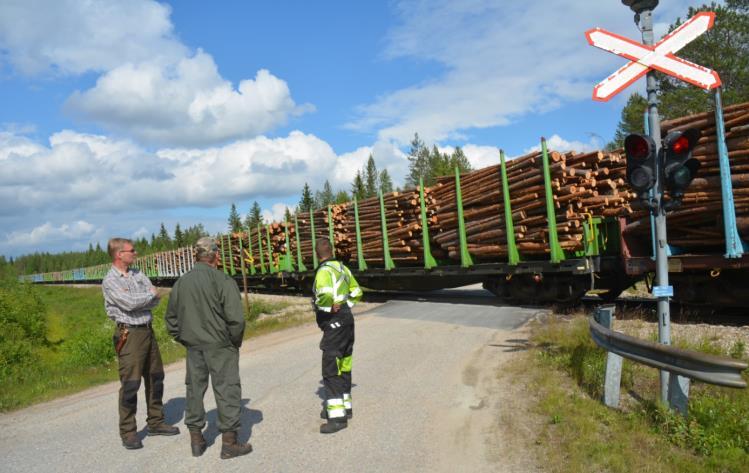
(337, 347)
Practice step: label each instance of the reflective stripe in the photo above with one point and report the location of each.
(345, 364)
(335, 408)
(355, 292)
(325, 309)
(347, 401)
(325, 290)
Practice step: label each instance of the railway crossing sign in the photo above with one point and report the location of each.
(659, 57)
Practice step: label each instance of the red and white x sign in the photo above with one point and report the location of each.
(660, 57)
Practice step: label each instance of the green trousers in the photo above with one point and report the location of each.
(140, 358)
(222, 364)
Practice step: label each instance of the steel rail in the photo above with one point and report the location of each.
(700, 366)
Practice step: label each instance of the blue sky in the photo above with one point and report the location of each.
(118, 116)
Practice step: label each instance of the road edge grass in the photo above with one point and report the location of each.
(577, 433)
(52, 376)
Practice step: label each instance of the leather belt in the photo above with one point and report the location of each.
(145, 325)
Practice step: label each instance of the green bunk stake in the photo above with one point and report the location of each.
(512, 250)
(287, 264)
(590, 235)
(331, 233)
(260, 249)
(465, 256)
(314, 248)
(385, 244)
(359, 249)
(271, 266)
(557, 255)
(241, 257)
(231, 255)
(223, 259)
(299, 263)
(249, 246)
(429, 261)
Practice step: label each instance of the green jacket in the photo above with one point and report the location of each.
(205, 309)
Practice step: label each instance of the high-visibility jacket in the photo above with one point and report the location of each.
(334, 284)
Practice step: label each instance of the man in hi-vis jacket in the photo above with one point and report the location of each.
(336, 291)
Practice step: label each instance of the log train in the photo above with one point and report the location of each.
(546, 227)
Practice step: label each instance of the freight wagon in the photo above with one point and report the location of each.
(546, 227)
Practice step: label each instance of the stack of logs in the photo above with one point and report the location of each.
(697, 226)
(584, 185)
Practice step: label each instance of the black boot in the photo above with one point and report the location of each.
(333, 425)
(230, 448)
(197, 443)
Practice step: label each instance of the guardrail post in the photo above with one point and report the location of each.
(557, 255)
(604, 315)
(359, 251)
(512, 250)
(678, 393)
(299, 262)
(465, 256)
(389, 264)
(314, 242)
(429, 261)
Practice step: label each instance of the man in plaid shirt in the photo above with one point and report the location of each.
(129, 298)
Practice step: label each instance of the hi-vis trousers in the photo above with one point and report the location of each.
(337, 347)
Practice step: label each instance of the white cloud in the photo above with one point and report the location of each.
(277, 212)
(557, 143)
(386, 155)
(74, 37)
(500, 61)
(92, 173)
(47, 233)
(187, 103)
(152, 87)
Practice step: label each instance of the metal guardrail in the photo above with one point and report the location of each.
(700, 366)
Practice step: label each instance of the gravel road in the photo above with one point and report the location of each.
(425, 376)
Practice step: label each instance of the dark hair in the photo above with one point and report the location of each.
(323, 246)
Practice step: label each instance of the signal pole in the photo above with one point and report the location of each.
(644, 14)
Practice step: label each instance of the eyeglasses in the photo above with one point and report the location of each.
(129, 251)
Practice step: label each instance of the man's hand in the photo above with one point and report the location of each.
(335, 308)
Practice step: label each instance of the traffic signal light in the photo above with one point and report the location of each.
(641, 165)
(679, 167)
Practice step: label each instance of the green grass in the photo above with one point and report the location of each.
(78, 353)
(581, 434)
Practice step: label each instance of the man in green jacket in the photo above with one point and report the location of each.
(205, 315)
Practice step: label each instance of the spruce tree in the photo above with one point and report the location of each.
(254, 217)
(325, 197)
(342, 197)
(371, 177)
(179, 237)
(386, 184)
(358, 189)
(418, 162)
(307, 201)
(459, 159)
(235, 221)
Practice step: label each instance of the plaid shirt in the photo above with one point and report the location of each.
(127, 297)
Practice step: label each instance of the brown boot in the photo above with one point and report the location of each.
(230, 448)
(131, 441)
(197, 443)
